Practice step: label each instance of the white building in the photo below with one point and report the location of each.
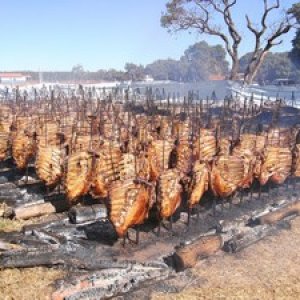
(13, 78)
(149, 78)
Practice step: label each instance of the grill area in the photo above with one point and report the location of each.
(134, 187)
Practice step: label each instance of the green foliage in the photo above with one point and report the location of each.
(78, 69)
(78, 72)
(295, 53)
(135, 72)
(217, 18)
(295, 10)
(204, 60)
(164, 69)
(198, 63)
(275, 65)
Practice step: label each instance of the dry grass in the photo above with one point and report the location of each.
(266, 270)
(23, 284)
(7, 225)
(33, 284)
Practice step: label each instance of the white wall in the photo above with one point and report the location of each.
(11, 80)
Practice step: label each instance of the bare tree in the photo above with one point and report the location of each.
(264, 44)
(202, 15)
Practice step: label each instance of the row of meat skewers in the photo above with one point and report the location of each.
(138, 161)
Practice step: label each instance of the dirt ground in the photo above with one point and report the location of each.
(28, 284)
(269, 269)
(32, 283)
(266, 270)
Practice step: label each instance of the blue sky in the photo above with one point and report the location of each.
(99, 34)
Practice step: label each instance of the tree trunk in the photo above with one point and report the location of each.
(235, 68)
(254, 66)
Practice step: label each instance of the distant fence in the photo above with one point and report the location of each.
(288, 94)
(162, 91)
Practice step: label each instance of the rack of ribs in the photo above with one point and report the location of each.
(78, 175)
(296, 162)
(106, 170)
(48, 164)
(129, 205)
(183, 158)
(276, 165)
(205, 145)
(23, 149)
(159, 152)
(199, 183)
(227, 175)
(5, 135)
(169, 193)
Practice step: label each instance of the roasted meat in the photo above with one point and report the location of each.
(84, 143)
(159, 152)
(78, 176)
(5, 135)
(296, 163)
(106, 170)
(250, 150)
(47, 134)
(129, 205)
(279, 137)
(199, 183)
(128, 166)
(4, 145)
(49, 164)
(23, 149)
(181, 130)
(182, 158)
(224, 146)
(206, 145)
(227, 175)
(276, 165)
(154, 163)
(169, 193)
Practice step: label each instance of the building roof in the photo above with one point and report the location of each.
(11, 75)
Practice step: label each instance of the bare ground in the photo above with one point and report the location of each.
(31, 284)
(266, 270)
(23, 284)
(269, 269)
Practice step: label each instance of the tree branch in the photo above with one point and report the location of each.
(198, 14)
(259, 33)
(259, 53)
